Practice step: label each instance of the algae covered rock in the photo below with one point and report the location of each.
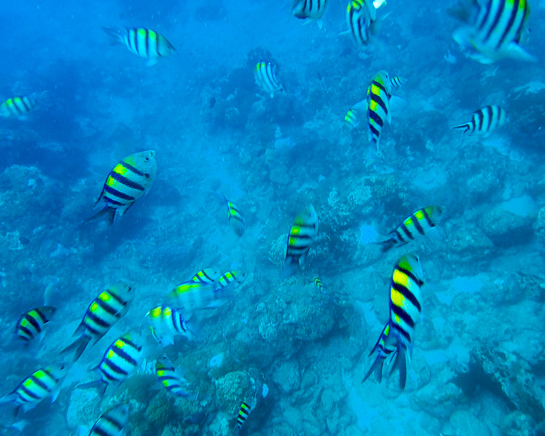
(506, 228)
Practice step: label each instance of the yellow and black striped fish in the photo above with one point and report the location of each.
(309, 9)
(229, 279)
(384, 349)
(405, 309)
(300, 238)
(419, 223)
(121, 359)
(127, 182)
(104, 311)
(207, 276)
(378, 105)
(484, 121)
(170, 378)
(495, 29)
(167, 322)
(20, 106)
(31, 323)
(191, 296)
(397, 81)
(361, 16)
(266, 78)
(351, 119)
(113, 422)
(243, 413)
(39, 385)
(236, 219)
(319, 285)
(143, 42)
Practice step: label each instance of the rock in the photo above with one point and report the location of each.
(468, 425)
(505, 228)
(287, 376)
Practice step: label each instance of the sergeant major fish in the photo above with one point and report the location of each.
(397, 81)
(309, 9)
(171, 379)
(20, 106)
(127, 182)
(419, 223)
(207, 276)
(236, 219)
(266, 78)
(143, 42)
(361, 16)
(495, 29)
(31, 323)
(167, 322)
(243, 413)
(113, 422)
(405, 309)
(484, 121)
(104, 311)
(378, 105)
(301, 236)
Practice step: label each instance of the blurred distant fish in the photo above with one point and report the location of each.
(113, 422)
(266, 79)
(495, 29)
(127, 182)
(40, 384)
(120, 360)
(20, 106)
(484, 121)
(311, 9)
(383, 350)
(397, 82)
(351, 119)
(405, 309)
(167, 322)
(104, 311)
(378, 105)
(361, 17)
(243, 413)
(419, 223)
(236, 219)
(229, 279)
(31, 323)
(143, 42)
(171, 379)
(319, 285)
(301, 236)
(190, 296)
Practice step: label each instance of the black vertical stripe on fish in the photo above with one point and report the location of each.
(40, 383)
(417, 225)
(406, 292)
(378, 99)
(114, 368)
(114, 422)
(107, 306)
(377, 119)
(29, 393)
(399, 235)
(125, 181)
(23, 100)
(404, 333)
(507, 29)
(398, 311)
(407, 231)
(33, 322)
(118, 194)
(111, 201)
(496, 20)
(374, 131)
(147, 38)
(96, 320)
(428, 218)
(91, 328)
(131, 168)
(27, 332)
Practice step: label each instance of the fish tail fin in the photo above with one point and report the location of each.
(77, 347)
(464, 126)
(386, 245)
(376, 368)
(400, 363)
(115, 35)
(108, 212)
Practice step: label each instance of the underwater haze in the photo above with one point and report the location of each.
(272, 218)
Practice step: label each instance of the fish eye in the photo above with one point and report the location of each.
(146, 159)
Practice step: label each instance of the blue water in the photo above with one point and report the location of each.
(294, 353)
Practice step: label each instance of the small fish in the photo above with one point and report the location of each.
(167, 322)
(397, 82)
(113, 422)
(484, 121)
(266, 79)
(120, 360)
(207, 276)
(143, 42)
(228, 280)
(127, 182)
(405, 309)
(39, 385)
(351, 119)
(361, 16)
(384, 350)
(171, 379)
(309, 9)
(495, 29)
(31, 323)
(104, 311)
(236, 219)
(301, 236)
(419, 223)
(319, 285)
(244, 412)
(20, 106)
(378, 105)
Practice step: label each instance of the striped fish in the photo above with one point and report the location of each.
(419, 223)
(405, 309)
(167, 322)
(39, 385)
(207, 276)
(266, 79)
(319, 285)
(361, 16)
(127, 182)
(236, 219)
(351, 119)
(495, 29)
(143, 42)
(20, 106)
(484, 121)
(378, 105)
(104, 311)
(170, 378)
(243, 413)
(190, 296)
(31, 323)
(300, 238)
(229, 279)
(118, 363)
(397, 82)
(309, 9)
(383, 350)
(113, 422)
